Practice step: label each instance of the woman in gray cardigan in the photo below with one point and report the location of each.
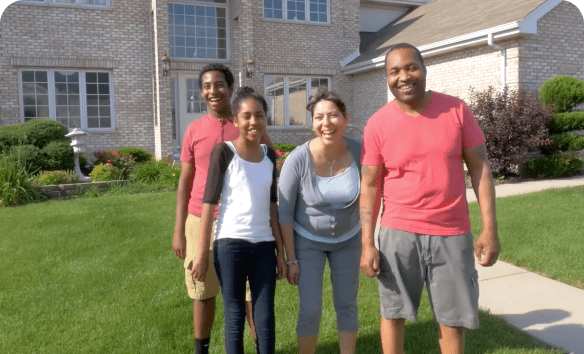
(319, 217)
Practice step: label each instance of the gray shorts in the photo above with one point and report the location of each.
(444, 263)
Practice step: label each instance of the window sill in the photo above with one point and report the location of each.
(292, 22)
(72, 6)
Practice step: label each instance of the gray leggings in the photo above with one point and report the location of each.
(343, 260)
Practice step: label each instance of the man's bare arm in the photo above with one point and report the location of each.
(183, 195)
(487, 247)
(369, 210)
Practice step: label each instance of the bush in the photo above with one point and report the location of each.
(10, 135)
(58, 156)
(15, 186)
(49, 178)
(156, 172)
(557, 165)
(564, 92)
(139, 154)
(565, 122)
(105, 172)
(38, 132)
(285, 147)
(564, 142)
(125, 163)
(513, 122)
(28, 156)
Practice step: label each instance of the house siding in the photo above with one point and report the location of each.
(557, 49)
(115, 39)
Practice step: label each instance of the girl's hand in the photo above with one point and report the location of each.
(199, 268)
(282, 267)
(293, 273)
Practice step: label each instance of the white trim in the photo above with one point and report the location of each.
(349, 58)
(77, 4)
(306, 12)
(527, 25)
(82, 95)
(529, 22)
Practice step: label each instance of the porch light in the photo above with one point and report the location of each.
(249, 67)
(165, 64)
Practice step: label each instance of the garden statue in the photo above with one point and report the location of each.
(78, 144)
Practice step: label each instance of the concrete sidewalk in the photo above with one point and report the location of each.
(548, 310)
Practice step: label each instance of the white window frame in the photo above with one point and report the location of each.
(82, 95)
(77, 3)
(306, 12)
(227, 30)
(287, 100)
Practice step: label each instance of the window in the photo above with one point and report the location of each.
(199, 30)
(287, 97)
(297, 10)
(77, 99)
(88, 3)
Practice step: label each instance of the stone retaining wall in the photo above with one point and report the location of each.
(63, 191)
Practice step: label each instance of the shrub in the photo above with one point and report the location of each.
(15, 186)
(564, 92)
(58, 156)
(285, 147)
(156, 172)
(10, 135)
(124, 163)
(105, 172)
(565, 122)
(557, 165)
(28, 156)
(513, 122)
(48, 178)
(564, 142)
(139, 154)
(41, 131)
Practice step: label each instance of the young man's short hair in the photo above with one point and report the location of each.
(227, 74)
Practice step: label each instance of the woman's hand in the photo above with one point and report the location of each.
(293, 273)
(282, 267)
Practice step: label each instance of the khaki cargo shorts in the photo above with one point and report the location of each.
(210, 287)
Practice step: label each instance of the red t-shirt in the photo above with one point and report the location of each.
(200, 138)
(423, 189)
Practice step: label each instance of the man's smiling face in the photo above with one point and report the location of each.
(406, 76)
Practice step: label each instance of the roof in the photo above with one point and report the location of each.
(445, 23)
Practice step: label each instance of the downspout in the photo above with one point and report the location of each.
(503, 76)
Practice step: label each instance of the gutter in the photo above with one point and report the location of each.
(503, 73)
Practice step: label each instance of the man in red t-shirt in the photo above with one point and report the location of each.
(216, 83)
(413, 150)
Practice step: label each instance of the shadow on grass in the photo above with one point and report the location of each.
(494, 336)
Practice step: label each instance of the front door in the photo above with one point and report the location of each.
(189, 103)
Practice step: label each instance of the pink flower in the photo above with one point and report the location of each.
(280, 153)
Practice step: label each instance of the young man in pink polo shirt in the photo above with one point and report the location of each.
(413, 150)
(216, 83)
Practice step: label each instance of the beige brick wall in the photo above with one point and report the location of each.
(557, 49)
(72, 37)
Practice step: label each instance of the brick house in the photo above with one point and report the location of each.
(98, 64)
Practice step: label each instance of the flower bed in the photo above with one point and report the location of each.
(63, 191)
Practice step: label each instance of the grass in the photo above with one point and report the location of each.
(97, 275)
(542, 232)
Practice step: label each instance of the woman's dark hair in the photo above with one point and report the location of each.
(324, 95)
(244, 93)
(227, 74)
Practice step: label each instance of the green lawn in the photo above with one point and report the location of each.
(97, 275)
(542, 232)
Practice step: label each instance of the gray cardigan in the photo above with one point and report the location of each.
(300, 200)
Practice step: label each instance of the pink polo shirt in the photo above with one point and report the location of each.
(423, 189)
(200, 138)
